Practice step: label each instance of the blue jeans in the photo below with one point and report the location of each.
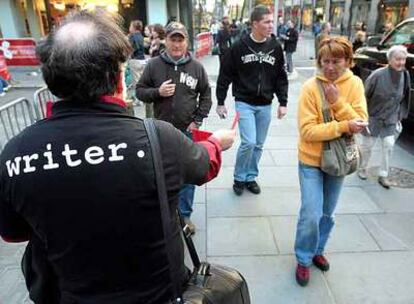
(3, 84)
(186, 195)
(319, 196)
(253, 125)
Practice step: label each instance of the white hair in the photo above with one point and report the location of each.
(396, 49)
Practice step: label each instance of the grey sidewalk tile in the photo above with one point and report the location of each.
(285, 127)
(281, 143)
(229, 159)
(272, 280)
(355, 200)
(12, 287)
(392, 200)
(391, 231)
(200, 194)
(239, 236)
(348, 235)
(272, 201)
(287, 158)
(380, 278)
(198, 217)
(276, 176)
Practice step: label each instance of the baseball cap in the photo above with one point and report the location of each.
(176, 28)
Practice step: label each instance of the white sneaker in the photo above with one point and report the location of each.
(6, 88)
(2, 94)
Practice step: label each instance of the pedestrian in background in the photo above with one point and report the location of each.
(137, 42)
(4, 86)
(178, 87)
(320, 191)
(290, 39)
(255, 67)
(387, 91)
(323, 34)
(224, 38)
(214, 29)
(359, 40)
(157, 40)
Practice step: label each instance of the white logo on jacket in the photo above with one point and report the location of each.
(261, 57)
(188, 80)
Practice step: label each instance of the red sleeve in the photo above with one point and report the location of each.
(214, 152)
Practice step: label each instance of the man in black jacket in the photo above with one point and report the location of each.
(178, 87)
(255, 67)
(82, 183)
(291, 40)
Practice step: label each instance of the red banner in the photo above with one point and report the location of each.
(204, 44)
(23, 51)
(4, 72)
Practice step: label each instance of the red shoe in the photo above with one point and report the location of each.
(302, 275)
(321, 262)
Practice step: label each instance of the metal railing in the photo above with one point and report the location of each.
(40, 100)
(15, 116)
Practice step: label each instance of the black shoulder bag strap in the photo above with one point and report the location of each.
(164, 207)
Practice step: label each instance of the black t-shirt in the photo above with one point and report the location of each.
(83, 182)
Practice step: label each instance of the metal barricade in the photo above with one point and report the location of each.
(41, 99)
(15, 117)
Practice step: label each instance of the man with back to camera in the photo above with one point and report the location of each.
(255, 67)
(178, 87)
(82, 183)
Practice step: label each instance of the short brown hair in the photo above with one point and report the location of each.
(137, 25)
(258, 12)
(337, 47)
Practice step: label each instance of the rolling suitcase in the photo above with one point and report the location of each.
(209, 283)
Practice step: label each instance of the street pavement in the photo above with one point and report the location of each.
(371, 249)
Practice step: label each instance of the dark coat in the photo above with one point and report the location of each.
(291, 40)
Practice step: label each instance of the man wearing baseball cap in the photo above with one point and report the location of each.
(178, 86)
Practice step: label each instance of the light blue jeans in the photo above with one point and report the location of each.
(319, 196)
(186, 195)
(253, 126)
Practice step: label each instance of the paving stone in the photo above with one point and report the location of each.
(348, 235)
(391, 231)
(392, 200)
(380, 278)
(281, 143)
(356, 200)
(200, 194)
(271, 280)
(272, 201)
(239, 236)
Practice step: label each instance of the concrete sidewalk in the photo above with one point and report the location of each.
(372, 246)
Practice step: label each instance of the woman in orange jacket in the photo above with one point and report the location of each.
(320, 191)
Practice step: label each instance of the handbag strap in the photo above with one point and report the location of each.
(163, 200)
(325, 107)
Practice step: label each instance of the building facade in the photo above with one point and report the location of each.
(35, 18)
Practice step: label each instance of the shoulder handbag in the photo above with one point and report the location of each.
(208, 284)
(340, 156)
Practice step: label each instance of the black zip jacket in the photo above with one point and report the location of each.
(256, 71)
(291, 40)
(191, 101)
(83, 181)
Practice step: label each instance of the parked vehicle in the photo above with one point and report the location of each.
(374, 55)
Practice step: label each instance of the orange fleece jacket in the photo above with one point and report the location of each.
(313, 131)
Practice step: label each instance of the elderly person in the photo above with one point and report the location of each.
(320, 191)
(388, 96)
(82, 182)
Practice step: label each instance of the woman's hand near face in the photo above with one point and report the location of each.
(331, 92)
